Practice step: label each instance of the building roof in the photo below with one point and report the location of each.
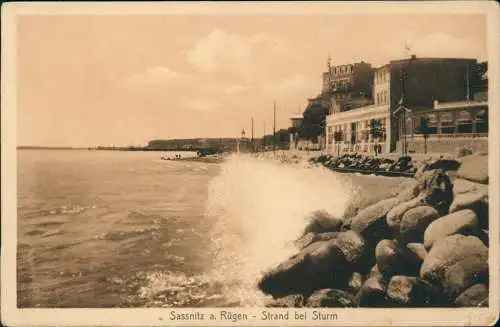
(422, 60)
(430, 59)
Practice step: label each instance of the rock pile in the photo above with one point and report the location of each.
(428, 248)
(367, 163)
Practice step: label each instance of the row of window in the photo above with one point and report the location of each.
(379, 124)
(381, 76)
(342, 69)
(341, 96)
(342, 84)
(361, 136)
(382, 98)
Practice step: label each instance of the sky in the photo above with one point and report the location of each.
(124, 80)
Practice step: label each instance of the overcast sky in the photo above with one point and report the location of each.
(124, 80)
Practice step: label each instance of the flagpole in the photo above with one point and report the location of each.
(274, 128)
(467, 81)
(253, 147)
(264, 138)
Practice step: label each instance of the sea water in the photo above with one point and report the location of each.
(127, 229)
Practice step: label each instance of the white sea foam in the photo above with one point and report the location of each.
(260, 208)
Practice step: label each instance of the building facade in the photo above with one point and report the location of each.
(464, 122)
(348, 86)
(358, 130)
(416, 84)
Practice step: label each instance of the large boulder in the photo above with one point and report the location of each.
(463, 274)
(437, 190)
(331, 298)
(395, 215)
(320, 265)
(409, 193)
(311, 238)
(352, 245)
(474, 296)
(455, 263)
(373, 293)
(443, 164)
(349, 242)
(321, 221)
(371, 221)
(394, 259)
(374, 272)
(413, 292)
(464, 186)
(418, 249)
(474, 168)
(355, 282)
(415, 222)
(476, 201)
(460, 222)
(289, 301)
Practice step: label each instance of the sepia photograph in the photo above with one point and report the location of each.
(250, 164)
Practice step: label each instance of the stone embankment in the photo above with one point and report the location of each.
(425, 247)
(380, 165)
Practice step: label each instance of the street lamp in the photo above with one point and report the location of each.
(402, 111)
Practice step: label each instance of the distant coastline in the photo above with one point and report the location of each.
(29, 147)
(187, 145)
(98, 148)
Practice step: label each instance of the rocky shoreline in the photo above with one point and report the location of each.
(404, 165)
(424, 247)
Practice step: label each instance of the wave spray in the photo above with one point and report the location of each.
(260, 207)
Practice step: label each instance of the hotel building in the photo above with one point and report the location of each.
(435, 88)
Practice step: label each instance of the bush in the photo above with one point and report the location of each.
(463, 151)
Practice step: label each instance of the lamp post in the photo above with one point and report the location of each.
(402, 111)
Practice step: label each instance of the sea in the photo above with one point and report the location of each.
(104, 229)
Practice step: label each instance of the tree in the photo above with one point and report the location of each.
(313, 124)
(423, 128)
(375, 128)
(479, 77)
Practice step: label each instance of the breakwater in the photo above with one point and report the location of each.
(427, 246)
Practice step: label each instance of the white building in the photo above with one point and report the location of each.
(349, 131)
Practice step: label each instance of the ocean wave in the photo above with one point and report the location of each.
(122, 235)
(169, 289)
(173, 257)
(45, 224)
(259, 208)
(64, 210)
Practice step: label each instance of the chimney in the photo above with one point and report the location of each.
(413, 57)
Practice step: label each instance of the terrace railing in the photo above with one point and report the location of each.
(447, 135)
